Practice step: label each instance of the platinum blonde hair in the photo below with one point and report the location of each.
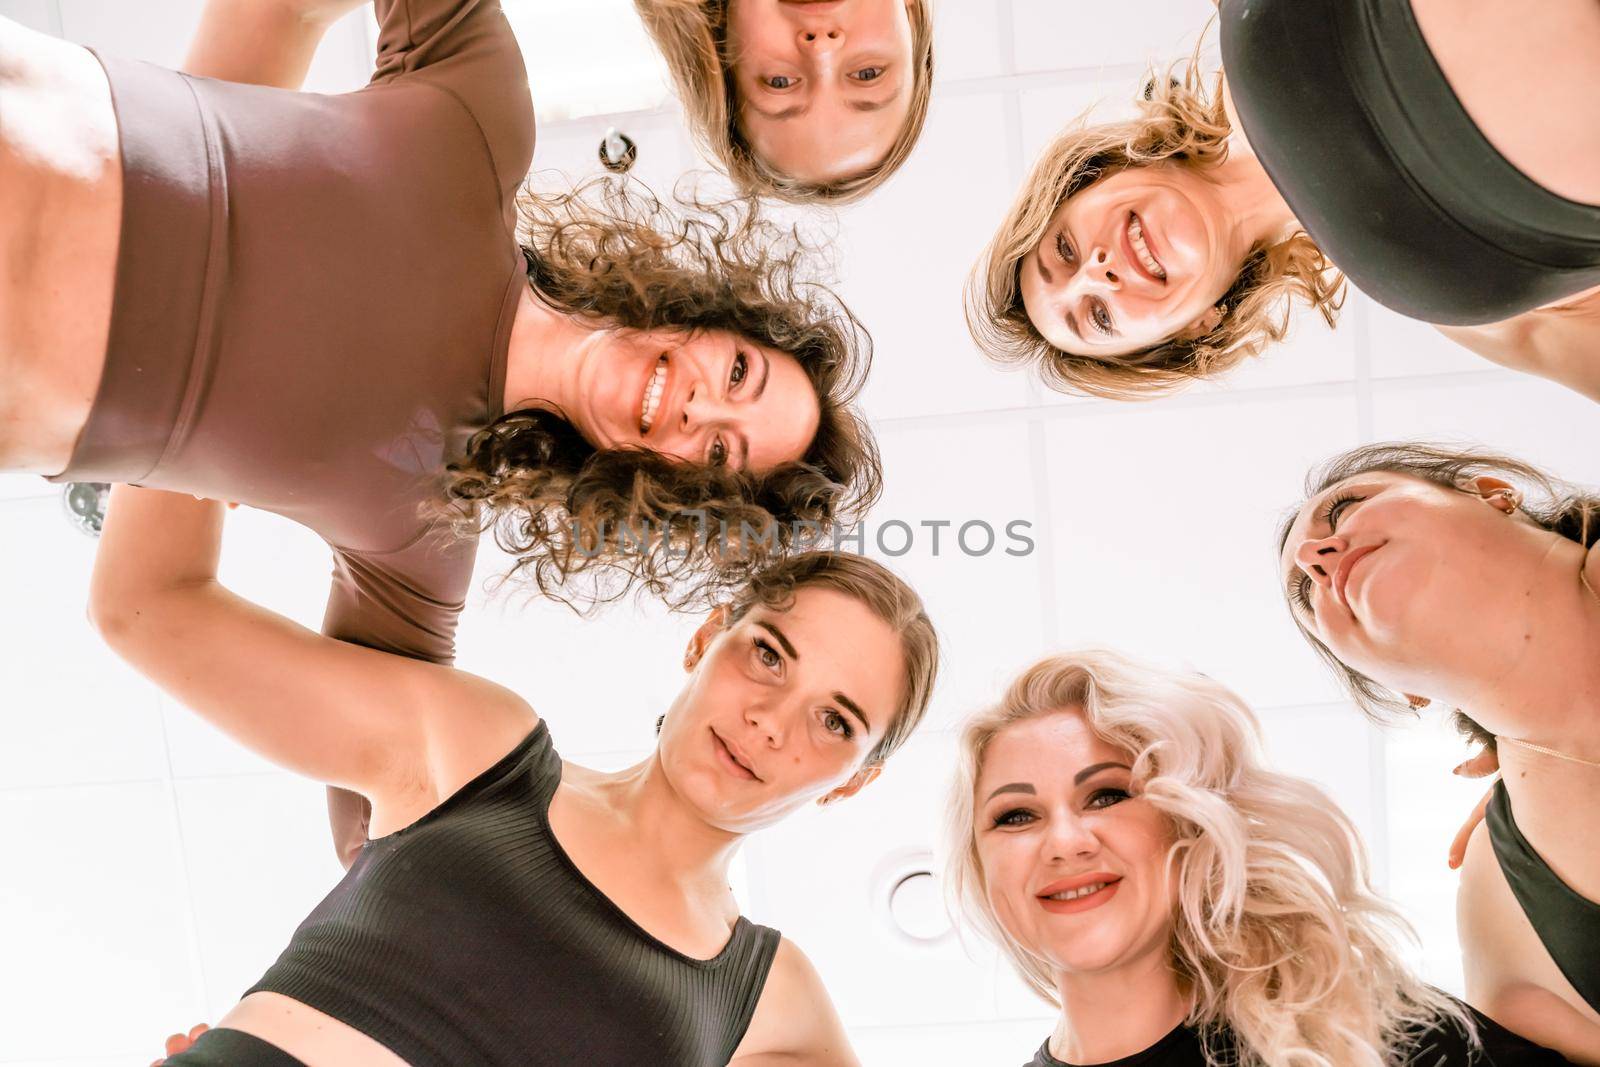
(1277, 933)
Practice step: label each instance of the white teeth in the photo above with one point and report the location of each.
(1141, 249)
(652, 396)
(1081, 891)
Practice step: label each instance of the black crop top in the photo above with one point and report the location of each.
(470, 938)
(1567, 924)
(1360, 131)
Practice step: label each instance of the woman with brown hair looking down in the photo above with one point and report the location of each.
(1429, 575)
(322, 306)
(512, 909)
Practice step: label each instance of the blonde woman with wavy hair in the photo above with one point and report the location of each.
(1070, 282)
(800, 102)
(1115, 830)
(1436, 156)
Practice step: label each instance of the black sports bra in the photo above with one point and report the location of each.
(1567, 924)
(1355, 123)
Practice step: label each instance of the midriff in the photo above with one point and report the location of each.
(59, 225)
(307, 1034)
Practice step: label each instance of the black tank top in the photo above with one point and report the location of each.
(1567, 924)
(1355, 123)
(470, 938)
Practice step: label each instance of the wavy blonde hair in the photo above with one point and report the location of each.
(1277, 934)
(1179, 123)
(693, 38)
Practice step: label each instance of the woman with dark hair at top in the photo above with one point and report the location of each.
(804, 102)
(1445, 156)
(1115, 830)
(322, 306)
(511, 909)
(1443, 576)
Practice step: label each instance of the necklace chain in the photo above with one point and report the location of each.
(1583, 577)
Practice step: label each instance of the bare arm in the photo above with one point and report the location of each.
(795, 1024)
(262, 42)
(393, 728)
(1559, 342)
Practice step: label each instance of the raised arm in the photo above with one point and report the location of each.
(262, 42)
(389, 727)
(1556, 342)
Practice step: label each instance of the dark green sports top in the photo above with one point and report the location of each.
(1567, 924)
(470, 938)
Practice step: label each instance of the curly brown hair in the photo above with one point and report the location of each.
(1561, 508)
(1180, 122)
(693, 38)
(634, 520)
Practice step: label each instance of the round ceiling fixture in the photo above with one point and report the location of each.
(910, 897)
(618, 152)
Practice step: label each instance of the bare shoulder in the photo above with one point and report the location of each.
(795, 1022)
(1529, 76)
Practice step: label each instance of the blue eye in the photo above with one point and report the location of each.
(868, 74)
(780, 81)
(1105, 798)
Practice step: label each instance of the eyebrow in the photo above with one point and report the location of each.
(1014, 787)
(786, 113)
(854, 709)
(1095, 768)
(782, 640)
(874, 105)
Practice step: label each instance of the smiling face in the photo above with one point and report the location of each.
(1133, 260)
(823, 87)
(1074, 863)
(782, 707)
(1412, 584)
(712, 398)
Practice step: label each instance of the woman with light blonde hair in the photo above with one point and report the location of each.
(1436, 159)
(1114, 829)
(806, 103)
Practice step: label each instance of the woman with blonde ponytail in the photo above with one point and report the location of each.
(1115, 831)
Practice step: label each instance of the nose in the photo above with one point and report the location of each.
(1100, 268)
(767, 722)
(820, 38)
(1319, 558)
(702, 407)
(1069, 838)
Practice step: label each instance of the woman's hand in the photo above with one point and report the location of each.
(1485, 763)
(181, 1042)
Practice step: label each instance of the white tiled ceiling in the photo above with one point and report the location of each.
(153, 866)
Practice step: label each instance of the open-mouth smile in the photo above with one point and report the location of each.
(654, 387)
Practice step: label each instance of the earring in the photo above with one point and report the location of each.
(1510, 496)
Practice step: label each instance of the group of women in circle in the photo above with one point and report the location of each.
(348, 310)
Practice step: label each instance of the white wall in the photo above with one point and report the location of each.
(152, 869)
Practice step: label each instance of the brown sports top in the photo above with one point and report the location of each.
(314, 296)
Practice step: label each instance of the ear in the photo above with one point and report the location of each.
(717, 622)
(1417, 703)
(1204, 324)
(1498, 492)
(857, 782)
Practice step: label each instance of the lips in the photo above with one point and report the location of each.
(1341, 575)
(733, 758)
(1137, 249)
(1080, 893)
(655, 388)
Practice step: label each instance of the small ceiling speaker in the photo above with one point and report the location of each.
(618, 152)
(86, 505)
(909, 898)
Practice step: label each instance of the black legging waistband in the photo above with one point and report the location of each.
(233, 1048)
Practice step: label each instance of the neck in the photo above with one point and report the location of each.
(672, 841)
(1544, 686)
(1259, 212)
(543, 355)
(1108, 1015)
